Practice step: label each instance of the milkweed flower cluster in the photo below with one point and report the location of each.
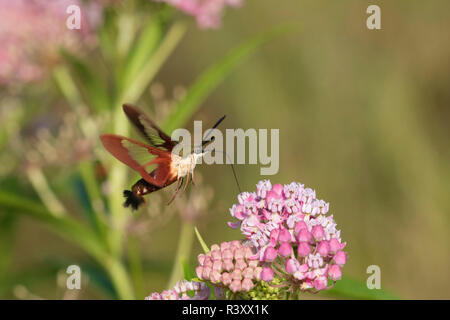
(32, 32)
(230, 265)
(208, 13)
(198, 290)
(292, 234)
(292, 245)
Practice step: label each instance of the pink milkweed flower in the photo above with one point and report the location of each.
(303, 249)
(247, 285)
(323, 248)
(270, 254)
(227, 264)
(317, 232)
(340, 258)
(304, 236)
(236, 285)
(267, 274)
(292, 265)
(179, 292)
(335, 245)
(285, 249)
(284, 236)
(154, 296)
(335, 272)
(279, 218)
(320, 283)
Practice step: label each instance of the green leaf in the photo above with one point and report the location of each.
(351, 288)
(91, 85)
(140, 53)
(64, 226)
(187, 270)
(211, 78)
(202, 242)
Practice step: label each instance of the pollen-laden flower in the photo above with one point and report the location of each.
(199, 290)
(208, 13)
(294, 238)
(230, 265)
(33, 32)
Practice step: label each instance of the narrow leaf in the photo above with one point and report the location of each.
(202, 242)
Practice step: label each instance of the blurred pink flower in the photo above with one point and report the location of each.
(208, 13)
(33, 31)
(180, 292)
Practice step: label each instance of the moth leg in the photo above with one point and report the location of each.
(187, 182)
(179, 183)
(192, 178)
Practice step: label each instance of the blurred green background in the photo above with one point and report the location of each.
(363, 118)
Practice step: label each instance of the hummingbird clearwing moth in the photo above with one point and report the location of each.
(155, 162)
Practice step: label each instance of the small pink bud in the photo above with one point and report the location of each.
(239, 253)
(201, 259)
(236, 274)
(272, 195)
(284, 236)
(317, 232)
(274, 234)
(227, 265)
(320, 282)
(340, 258)
(303, 249)
(227, 254)
(335, 272)
(216, 255)
(217, 265)
(304, 235)
(224, 246)
(253, 263)
(335, 246)
(247, 273)
(240, 264)
(270, 254)
(248, 253)
(199, 272)
(257, 273)
(206, 272)
(278, 189)
(285, 249)
(215, 247)
(226, 278)
(292, 266)
(247, 285)
(207, 262)
(299, 226)
(323, 248)
(215, 276)
(267, 274)
(235, 243)
(235, 285)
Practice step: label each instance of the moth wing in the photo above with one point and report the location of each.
(140, 157)
(148, 128)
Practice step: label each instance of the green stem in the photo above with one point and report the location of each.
(119, 277)
(134, 259)
(40, 185)
(183, 252)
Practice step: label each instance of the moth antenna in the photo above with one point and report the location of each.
(232, 167)
(133, 200)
